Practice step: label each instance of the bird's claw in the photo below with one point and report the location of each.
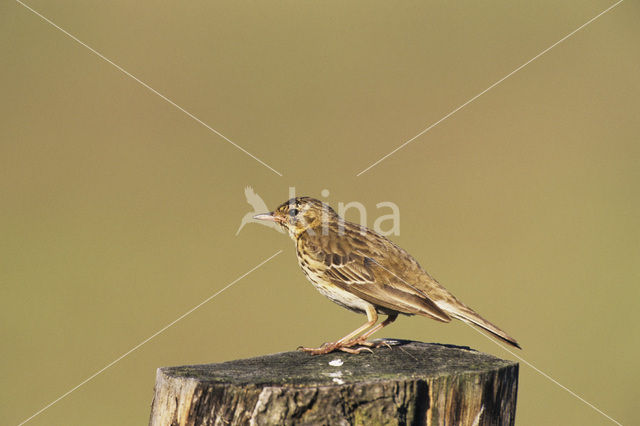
(324, 349)
(354, 351)
(362, 342)
(363, 345)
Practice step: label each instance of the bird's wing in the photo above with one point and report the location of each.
(349, 266)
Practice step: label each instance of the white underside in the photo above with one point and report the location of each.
(343, 298)
(339, 296)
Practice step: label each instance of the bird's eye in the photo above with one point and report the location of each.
(293, 212)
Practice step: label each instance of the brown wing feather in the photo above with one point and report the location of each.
(357, 267)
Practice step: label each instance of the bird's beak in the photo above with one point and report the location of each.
(268, 216)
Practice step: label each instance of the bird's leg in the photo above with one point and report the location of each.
(362, 340)
(372, 318)
(345, 343)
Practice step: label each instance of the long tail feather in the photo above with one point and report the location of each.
(468, 315)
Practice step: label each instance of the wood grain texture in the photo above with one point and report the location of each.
(410, 383)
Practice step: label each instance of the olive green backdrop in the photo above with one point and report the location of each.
(118, 212)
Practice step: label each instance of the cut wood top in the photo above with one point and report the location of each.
(405, 359)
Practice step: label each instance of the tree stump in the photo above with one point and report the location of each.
(410, 383)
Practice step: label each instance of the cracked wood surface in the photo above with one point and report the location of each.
(410, 383)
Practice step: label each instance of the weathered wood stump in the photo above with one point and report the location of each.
(410, 383)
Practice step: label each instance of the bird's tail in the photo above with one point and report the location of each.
(468, 315)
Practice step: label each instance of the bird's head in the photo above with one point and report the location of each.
(301, 214)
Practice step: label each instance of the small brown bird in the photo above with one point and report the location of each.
(365, 272)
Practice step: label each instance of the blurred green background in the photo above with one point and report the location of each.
(118, 212)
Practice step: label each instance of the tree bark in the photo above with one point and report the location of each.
(410, 383)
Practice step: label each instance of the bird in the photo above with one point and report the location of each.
(258, 205)
(365, 272)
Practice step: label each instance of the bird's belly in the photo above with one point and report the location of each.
(338, 295)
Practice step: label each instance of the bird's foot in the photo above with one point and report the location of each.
(356, 350)
(324, 349)
(353, 346)
(338, 346)
(360, 341)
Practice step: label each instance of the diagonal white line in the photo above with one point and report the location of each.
(127, 73)
(517, 356)
(64, 395)
(548, 377)
(491, 87)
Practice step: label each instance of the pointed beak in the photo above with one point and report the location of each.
(267, 216)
